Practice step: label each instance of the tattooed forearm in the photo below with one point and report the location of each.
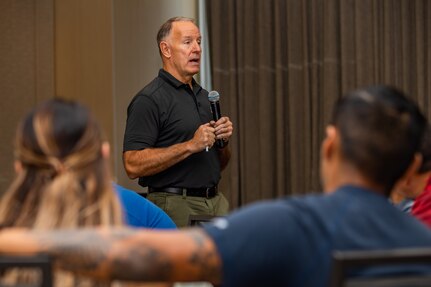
(205, 257)
(142, 263)
(86, 252)
(169, 257)
(124, 254)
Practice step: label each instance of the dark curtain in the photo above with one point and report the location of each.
(279, 66)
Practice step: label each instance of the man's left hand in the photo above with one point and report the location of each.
(223, 128)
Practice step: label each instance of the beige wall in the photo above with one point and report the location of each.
(99, 52)
(83, 56)
(26, 68)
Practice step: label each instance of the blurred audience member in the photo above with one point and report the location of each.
(63, 181)
(413, 192)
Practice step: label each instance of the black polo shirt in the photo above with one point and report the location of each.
(167, 112)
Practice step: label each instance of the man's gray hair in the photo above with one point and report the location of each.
(166, 28)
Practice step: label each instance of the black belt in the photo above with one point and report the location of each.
(207, 192)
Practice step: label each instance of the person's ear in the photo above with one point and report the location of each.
(17, 166)
(165, 49)
(413, 168)
(106, 149)
(329, 143)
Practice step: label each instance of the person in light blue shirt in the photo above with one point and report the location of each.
(140, 212)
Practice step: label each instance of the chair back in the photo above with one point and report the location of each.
(343, 261)
(40, 261)
(198, 220)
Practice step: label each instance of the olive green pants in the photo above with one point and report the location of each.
(180, 207)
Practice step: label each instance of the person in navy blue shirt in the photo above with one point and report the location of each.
(140, 212)
(372, 142)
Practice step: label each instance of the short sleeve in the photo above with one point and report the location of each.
(142, 124)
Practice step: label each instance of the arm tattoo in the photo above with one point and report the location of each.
(204, 258)
(125, 254)
(85, 252)
(192, 258)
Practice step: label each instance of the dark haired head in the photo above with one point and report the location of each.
(380, 130)
(166, 28)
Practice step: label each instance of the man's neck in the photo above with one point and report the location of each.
(346, 175)
(184, 79)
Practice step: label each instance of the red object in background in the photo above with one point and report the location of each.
(422, 206)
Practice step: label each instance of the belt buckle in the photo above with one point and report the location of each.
(207, 191)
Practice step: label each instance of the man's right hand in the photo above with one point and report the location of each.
(151, 161)
(204, 137)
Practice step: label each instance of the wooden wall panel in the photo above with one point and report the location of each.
(98, 52)
(26, 68)
(84, 57)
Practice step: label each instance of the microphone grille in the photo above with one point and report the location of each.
(213, 96)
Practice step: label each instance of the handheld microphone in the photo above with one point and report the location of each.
(214, 98)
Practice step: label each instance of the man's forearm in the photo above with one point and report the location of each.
(151, 161)
(84, 252)
(123, 254)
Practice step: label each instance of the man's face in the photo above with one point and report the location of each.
(185, 44)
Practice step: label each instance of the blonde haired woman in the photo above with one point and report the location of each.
(63, 178)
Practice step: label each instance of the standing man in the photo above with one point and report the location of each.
(170, 135)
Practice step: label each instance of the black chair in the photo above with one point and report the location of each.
(198, 220)
(345, 261)
(39, 261)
